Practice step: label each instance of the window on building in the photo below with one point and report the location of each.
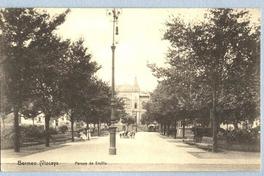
(143, 103)
(39, 119)
(57, 123)
(135, 105)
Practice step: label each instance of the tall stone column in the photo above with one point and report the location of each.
(112, 149)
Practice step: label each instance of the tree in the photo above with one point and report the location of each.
(5, 107)
(102, 105)
(128, 120)
(220, 55)
(163, 107)
(30, 111)
(145, 119)
(77, 79)
(229, 51)
(23, 30)
(47, 79)
(98, 105)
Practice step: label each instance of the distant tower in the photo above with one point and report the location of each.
(136, 86)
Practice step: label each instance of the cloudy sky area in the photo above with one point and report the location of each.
(139, 41)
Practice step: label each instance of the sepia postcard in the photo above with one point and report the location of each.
(130, 89)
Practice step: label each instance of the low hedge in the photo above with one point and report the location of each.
(244, 136)
(35, 132)
(63, 128)
(238, 136)
(202, 131)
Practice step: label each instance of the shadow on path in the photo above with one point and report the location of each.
(30, 150)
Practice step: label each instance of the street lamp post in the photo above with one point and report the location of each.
(112, 129)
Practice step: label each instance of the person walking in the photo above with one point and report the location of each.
(88, 134)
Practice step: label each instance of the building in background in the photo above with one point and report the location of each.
(134, 99)
(39, 120)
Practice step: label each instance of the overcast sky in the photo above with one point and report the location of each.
(139, 41)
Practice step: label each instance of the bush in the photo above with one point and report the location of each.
(32, 131)
(36, 132)
(202, 131)
(52, 131)
(255, 134)
(243, 136)
(7, 136)
(239, 136)
(255, 131)
(63, 128)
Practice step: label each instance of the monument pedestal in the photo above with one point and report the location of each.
(112, 149)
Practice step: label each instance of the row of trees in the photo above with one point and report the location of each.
(46, 74)
(213, 71)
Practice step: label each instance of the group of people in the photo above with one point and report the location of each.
(127, 134)
(85, 135)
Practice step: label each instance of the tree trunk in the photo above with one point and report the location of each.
(168, 129)
(99, 127)
(195, 122)
(164, 129)
(175, 128)
(3, 121)
(17, 130)
(214, 148)
(33, 121)
(183, 128)
(246, 122)
(47, 119)
(87, 127)
(235, 125)
(72, 130)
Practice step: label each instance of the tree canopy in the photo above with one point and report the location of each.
(213, 64)
(47, 74)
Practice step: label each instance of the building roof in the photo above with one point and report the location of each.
(127, 88)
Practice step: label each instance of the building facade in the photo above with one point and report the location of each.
(39, 120)
(134, 99)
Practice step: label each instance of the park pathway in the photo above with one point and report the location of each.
(147, 152)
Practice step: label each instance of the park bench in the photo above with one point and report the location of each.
(29, 143)
(206, 143)
(59, 138)
(189, 141)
